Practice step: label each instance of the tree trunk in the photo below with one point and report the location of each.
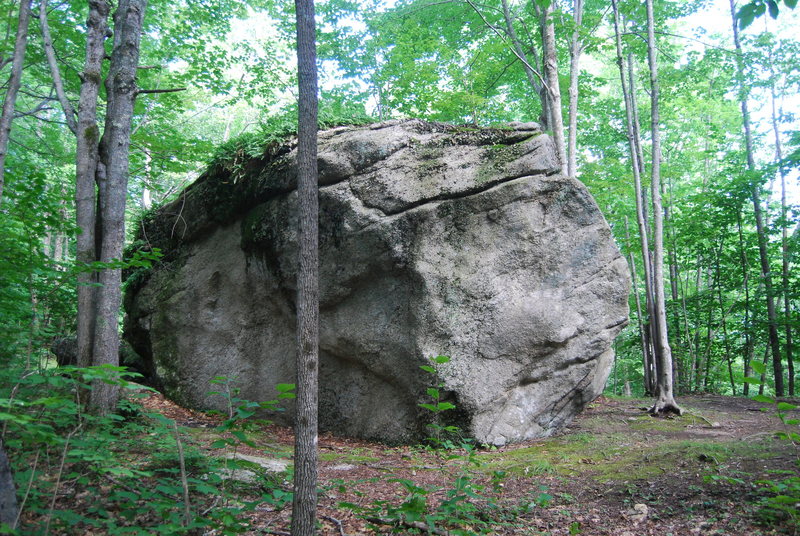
(553, 85)
(665, 401)
(121, 93)
(644, 339)
(787, 309)
(766, 274)
(748, 339)
(14, 83)
(304, 506)
(58, 83)
(8, 492)
(87, 163)
(534, 77)
(648, 358)
(575, 50)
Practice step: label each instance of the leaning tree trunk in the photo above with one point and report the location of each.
(575, 50)
(304, 506)
(665, 401)
(14, 83)
(761, 233)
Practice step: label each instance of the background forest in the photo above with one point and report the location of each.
(216, 79)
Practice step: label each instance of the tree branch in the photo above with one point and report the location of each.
(172, 90)
(69, 111)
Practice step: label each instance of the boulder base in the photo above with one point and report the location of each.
(434, 240)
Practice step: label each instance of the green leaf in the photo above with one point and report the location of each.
(433, 392)
(428, 369)
(759, 367)
(773, 8)
(285, 387)
(441, 359)
(763, 398)
(785, 406)
(753, 381)
(790, 3)
(444, 406)
(746, 15)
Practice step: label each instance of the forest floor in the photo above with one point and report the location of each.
(614, 471)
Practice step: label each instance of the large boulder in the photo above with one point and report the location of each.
(434, 239)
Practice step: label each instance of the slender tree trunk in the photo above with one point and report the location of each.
(553, 85)
(665, 401)
(639, 316)
(787, 309)
(723, 319)
(14, 83)
(304, 508)
(748, 339)
(575, 50)
(69, 112)
(648, 357)
(87, 163)
(121, 93)
(8, 492)
(766, 274)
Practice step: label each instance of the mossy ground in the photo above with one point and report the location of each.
(697, 474)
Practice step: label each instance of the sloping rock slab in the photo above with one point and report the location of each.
(434, 239)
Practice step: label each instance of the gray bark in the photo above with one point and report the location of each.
(535, 78)
(761, 233)
(8, 492)
(628, 97)
(14, 82)
(575, 50)
(787, 308)
(87, 161)
(304, 507)
(121, 93)
(665, 401)
(69, 112)
(553, 86)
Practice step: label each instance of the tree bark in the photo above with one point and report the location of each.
(787, 309)
(8, 492)
(553, 85)
(304, 506)
(87, 163)
(766, 274)
(14, 83)
(113, 184)
(575, 50)
(58, 83)
(665, 401)
(648, 356)
(748, 338)
(535, 79)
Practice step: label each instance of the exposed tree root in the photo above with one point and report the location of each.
(662, 408)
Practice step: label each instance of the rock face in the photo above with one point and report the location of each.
(434, 240)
